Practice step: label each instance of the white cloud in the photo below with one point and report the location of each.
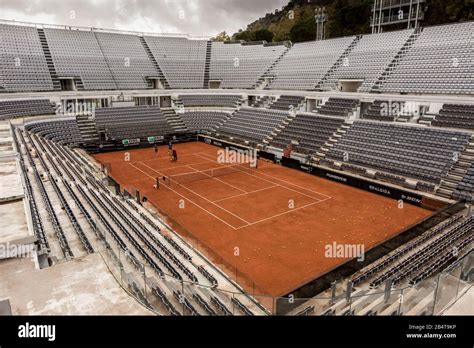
(201, 17)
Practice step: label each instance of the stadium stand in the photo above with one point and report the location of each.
(64, 132)
(127, 60)
(417, 152)
(369, 59)
(133, 231)
(182, 61)
(72, 210)
(465, 189)
(338, 107)
(254, 125)
(284, 102)
(303, 67)
(455, 116)
(77, 54)
(206, 121)
(22, 108)
(221, 100)
(23, 66)
(438, 62)
(239, 65)
(380, 110)
(309, 131)
(132, 122)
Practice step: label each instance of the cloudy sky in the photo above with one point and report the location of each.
(194, 17)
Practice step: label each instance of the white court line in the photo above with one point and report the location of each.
(212, 177)
(286, 212)
(173, 167)
(244, 194)
(186, 198)
(289, 183)
(197, 194)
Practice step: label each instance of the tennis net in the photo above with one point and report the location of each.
(180, 179)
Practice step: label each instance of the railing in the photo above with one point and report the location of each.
(101, 30)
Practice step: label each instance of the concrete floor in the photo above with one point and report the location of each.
(463, 306)
(81, 286)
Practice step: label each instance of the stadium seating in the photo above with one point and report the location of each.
(197, 121)
(416, 258)
(303, 67)
(132, 122)
(64, 131)
(369, 58)
(465, 189)
(252, 124)
(440, 61)
(77, 54)
(241, 66)
(338, 107)
(23, 66)
(379, 110)
(182, 61)
(284, 102)
(25, 108)
(309, 130)
(127, 60)
(221, 100)
(417, 152)
(455, 116)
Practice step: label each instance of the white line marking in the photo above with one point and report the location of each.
(289, 183)
(286, 212)
(247, 193)
(212, 177)
(186, 198)
(197, 194)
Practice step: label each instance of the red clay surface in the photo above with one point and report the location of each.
(279, 219)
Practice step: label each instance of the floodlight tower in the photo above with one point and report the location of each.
(321, 19)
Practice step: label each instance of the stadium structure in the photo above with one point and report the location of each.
(359, 203)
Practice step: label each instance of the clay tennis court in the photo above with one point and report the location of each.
(271, 223)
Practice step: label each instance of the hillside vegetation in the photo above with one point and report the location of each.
(296, 22)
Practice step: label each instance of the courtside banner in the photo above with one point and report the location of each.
(190, 331)
(380, 189)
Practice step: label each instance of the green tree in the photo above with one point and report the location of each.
(263, 35)
(303, 31)
(221, 37)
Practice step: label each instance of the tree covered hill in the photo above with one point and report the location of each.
(296, 22)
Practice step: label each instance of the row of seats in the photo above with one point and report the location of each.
(132, 122)
(207, 121)
(252, 124)
(219, 100)
(309, 131)
(426, 154)
(455, 116)
(23, 66)
(379, 110)
(23, 108)
(437, 62)
(465, 189)
(241, 66)
(369, 59)
(338, 107)
(285, 102)
(387, 266)
(440, 61)
(305, 64)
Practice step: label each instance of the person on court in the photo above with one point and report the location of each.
(156, 150)
(157, 186)
(175, 155)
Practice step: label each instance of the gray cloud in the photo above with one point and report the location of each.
(194, 17)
